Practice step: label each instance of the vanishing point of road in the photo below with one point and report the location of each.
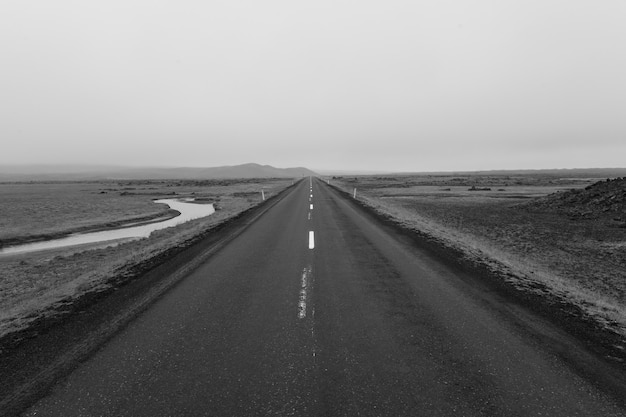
(317, 309)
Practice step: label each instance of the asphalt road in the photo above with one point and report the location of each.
(319, 310)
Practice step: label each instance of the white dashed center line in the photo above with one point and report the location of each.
(304, 287)
(306, 272)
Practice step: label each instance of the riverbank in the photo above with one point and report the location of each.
(573, 268)
(132, 222)
(35, 211)
(44, 286)
(113, 236)
(51, 210)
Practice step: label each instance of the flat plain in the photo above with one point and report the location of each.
(43, 285)
(560, 238)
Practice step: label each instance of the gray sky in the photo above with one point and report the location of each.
(380, 85)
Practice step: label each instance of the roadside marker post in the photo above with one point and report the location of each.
(263, 194)
(354, 194)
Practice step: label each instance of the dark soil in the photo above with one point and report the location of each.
(601, 199)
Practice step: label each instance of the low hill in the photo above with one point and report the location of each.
(244, 171)
(77, 173)
(598, 199)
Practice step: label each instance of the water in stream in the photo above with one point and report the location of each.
(188, 211)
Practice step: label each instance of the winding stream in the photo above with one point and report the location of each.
(188, 211)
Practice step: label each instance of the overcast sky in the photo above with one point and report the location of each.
(369, 85)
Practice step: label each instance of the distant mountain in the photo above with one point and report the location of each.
(76, 173)
(239, 171)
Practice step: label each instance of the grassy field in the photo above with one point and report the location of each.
(36, 285)
(40, 211)
(492, 220)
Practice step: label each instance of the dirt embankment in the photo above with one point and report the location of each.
(602, 200)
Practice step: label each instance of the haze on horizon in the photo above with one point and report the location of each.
(368, 85)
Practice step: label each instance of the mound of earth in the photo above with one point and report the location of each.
(603, 198)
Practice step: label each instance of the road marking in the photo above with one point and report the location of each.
(311, 195)
(311, 239)
(309, 216)
(304, 287)
(311, 208)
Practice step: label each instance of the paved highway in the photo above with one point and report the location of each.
(317, 309)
